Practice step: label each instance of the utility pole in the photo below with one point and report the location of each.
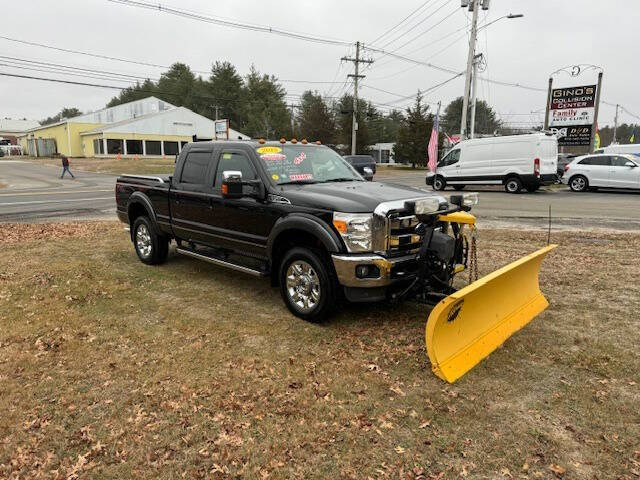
(216, 109)
(615, 126)
(595, 113)
(473, 5)
(356, 76)
(293, 119)
(476, 60)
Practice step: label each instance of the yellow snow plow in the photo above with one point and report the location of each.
(466, 326)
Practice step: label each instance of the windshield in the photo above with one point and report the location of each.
(305, 164)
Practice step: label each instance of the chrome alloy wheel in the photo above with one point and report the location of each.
(578, 184)
(143, 240)
(303, 286)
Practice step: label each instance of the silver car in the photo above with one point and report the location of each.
(590, 172)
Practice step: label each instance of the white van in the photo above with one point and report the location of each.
(516, 161)
(632, 149)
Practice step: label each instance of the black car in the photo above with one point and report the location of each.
(364, 164)
(298, 213)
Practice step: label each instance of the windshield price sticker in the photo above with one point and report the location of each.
(300, 158)
(301, 176)
(273, 157)
(269, 150)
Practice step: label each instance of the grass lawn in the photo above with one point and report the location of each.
(163, 166)
(113, 369)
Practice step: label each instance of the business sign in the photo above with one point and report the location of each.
(221, 128)
(574, 135)
(572, 114)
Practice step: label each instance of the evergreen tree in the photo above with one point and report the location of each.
(486, 120)
(67, 112)
(315, 120)
(413, 135)
(384, 128)
(265, 109)
(137, 92)
(226, 88)
(344, 111)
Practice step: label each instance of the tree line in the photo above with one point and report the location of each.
(256, 105)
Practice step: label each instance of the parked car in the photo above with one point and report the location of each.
(633, 149)
(516, 161)
(365, 165)
(300, 214)
(590, 172)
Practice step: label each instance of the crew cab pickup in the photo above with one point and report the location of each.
(299, 213)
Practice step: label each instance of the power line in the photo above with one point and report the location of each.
(134, 62)
(231, 23)
(427, 30)
(401, 21)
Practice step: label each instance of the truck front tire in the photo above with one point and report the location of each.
(151, 248)
(307, 284)
(439, 183)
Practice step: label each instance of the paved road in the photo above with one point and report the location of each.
(605, 209)
(36, 193)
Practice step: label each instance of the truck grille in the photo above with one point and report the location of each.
(402, 234)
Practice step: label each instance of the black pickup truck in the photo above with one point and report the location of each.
(299, 213)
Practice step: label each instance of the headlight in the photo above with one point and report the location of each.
(470, 199)
(355, 230)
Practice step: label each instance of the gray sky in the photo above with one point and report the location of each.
(552, 34)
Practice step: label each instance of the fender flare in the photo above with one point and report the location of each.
(139, 198)
(308, 223)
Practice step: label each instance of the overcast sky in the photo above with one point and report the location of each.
(552, 34)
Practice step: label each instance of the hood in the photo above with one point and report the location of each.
(349, 197)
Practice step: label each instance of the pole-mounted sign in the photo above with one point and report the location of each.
(572, 112)
(221, 128)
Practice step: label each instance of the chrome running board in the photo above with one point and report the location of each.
(222, 263)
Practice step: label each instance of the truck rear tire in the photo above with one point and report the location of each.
(151, 248)
(513, 185)
(307, 284)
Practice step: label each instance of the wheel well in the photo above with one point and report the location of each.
(509, 176)
(287, 240)
(136, 210)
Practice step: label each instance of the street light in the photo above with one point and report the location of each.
(472, 65)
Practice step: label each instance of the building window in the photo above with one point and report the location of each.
(385, 156)
(114, 146)
(153, 147)
(98, 146)
(134, 147)
(170, 148)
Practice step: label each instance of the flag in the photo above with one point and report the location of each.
(633, 136)
(433, 146)
(596, 139)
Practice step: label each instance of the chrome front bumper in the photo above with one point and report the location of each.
(345, 266)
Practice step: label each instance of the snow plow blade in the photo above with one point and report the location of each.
(468, 325)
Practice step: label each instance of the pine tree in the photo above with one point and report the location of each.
(413, 135)
(315, 120)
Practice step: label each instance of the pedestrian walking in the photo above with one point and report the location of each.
(65, 167)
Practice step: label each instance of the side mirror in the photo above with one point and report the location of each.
(232, 184)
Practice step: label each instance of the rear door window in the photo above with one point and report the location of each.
(602, 161)
(195, 168)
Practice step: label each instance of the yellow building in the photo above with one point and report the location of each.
(147, 127)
